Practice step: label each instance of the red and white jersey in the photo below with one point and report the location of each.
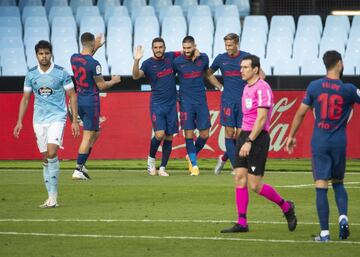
(255, 96)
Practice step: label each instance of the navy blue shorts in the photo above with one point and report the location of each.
(231, 115)
(194, 116)
(164, 117)
(90, 116)
(328, 162)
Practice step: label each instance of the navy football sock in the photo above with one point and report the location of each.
(191, 150)
(322, 206)
(166, 151)
(341, 198)
(154, 145)
(230, 150)
(199, 144)
(81, 159)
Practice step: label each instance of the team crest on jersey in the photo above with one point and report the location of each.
(45, 91)
(198, 63)
(248, 103)
(167, 61)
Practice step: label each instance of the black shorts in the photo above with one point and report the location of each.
(255, 162)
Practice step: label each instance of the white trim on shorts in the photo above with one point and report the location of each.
(50, 133)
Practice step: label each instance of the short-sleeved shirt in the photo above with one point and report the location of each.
(162, 78)
(85, 68)
(230, 70)
(257, 95)
(191, 78)
(332, 101)
(49, 90)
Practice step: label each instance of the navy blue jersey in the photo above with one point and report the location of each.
(162, 78)
(332, 102)
(230, 69)
(191, 78)
(85, 68)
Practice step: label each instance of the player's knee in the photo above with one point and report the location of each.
(255, 187)
(240, 179)
(51, 154)
(160, 136)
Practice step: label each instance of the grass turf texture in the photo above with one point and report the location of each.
(124, 212)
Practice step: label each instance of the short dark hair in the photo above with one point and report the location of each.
(232, 36)
(158, 40)
(255, 61)
(87, 37)
(43, 44)
(189, 39)
(331, 58)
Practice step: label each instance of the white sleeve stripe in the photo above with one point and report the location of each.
(27, 89)
(259, 98)
(69, 86)
(269, 97)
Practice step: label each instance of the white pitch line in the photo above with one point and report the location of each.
(159, 221)
(174, 238)
(308, 185)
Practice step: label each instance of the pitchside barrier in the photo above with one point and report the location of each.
(126, 126)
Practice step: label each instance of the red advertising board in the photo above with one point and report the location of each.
(126, 129)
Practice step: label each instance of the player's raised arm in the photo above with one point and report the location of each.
(136, 72)
(103, 85)
(74, 110)
(22, 110)
(99, 42)
(298, 119)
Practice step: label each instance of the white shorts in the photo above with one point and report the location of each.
(49, 134)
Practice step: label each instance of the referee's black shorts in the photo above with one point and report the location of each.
(255, 162)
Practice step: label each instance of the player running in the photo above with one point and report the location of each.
(49, 82)
(89, 81)
(158, 69)
(332, 102)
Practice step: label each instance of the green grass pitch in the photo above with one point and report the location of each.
(124, 212)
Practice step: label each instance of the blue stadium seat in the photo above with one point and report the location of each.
(313, 67)
(34, 21)
(158, 4)
(60, 11)
(11, 42)
(92, 24)
(83, 11)
(23, 3)
(281, 21)
(251, 34)
(133, 4)
(14, 70)
(335, 32)
(100, 57)
(118, 46)
(122, 23)
(146, 29)
(278, 48)
(10, 32)
(143, 11)
(227, 11)
(357, 68)
(331, 44)
(202, 29)
(242, 5)
(338, 21)
(265, 66)
(8, 3)
(10, 22)
(74, 4)
(121, 66)
(199, 10)
(9, 11)
(33, 11)
(306, 21)
(52, 3)
(170, 11)
(13, 62)
(349, 67)
(303, 50)
(64, 23)
(355, 21)
(286, 67)
(224, 26)
(103, 4)
(307, 34)
(256, 21)
(116, 11)
(173, 31)
(186, 4)
(213, 4)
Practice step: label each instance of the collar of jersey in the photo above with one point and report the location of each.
(48, 70)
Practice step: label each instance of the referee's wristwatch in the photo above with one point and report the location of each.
(248, 140)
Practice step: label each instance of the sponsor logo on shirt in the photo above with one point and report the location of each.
(232, 73)
(45, 91)
(193, 74)
(164, 73)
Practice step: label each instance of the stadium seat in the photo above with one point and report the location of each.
(74, 4)
(92, 24)
(60, 11)
(117, 46)
(202, 29)
(276, 50)
(34, 21)
(11, 42)
(224, 26)
(9, 11)
(14, 70)
(313, 67)
(335, 32)
(52, 3)
(338, 21)
(349, 67)
(186, 4)
(303, 50)
(227, 11)
(121, 66)
(355, 21)
(64, 23)
(357, 68)
(199, 10)
(33, 11)
(83, 11)
(331, 44)
(308, 34)
(41, 33)
(170, 11)
(13, 62)
(116, 11)
(65, 63)
(122, 23)
(10, 22)
(286, 67)
(133, 4)
(103, 4)
(158, 4)
(23, 3)
(252, 34)
(213, 4)
(256, 21)
(142, 11)
(173, 31)
(306, 21)
(146, 29)
(242, 5)
(10, 31)
(265, 66)
(8, 3)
